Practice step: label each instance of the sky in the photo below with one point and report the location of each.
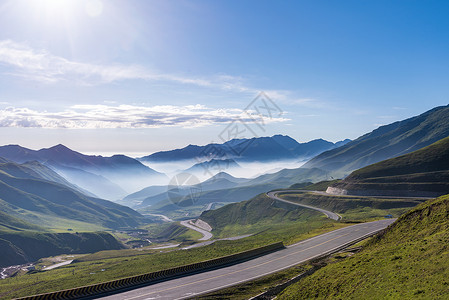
(136, 77)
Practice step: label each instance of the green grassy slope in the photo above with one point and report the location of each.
(10, 223)
(426, 169)
(409, 261)
(262, 214)
(25, 194)
(35, 170)
(356, 208)
(35, 203)
(284, 178)
(386, 142)
(27, 246)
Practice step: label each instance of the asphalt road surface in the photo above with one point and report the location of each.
(196, 284)
(329, 214)
(206, 234)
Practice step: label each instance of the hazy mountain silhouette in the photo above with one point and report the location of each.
(107, 177)
(29, 196)
(277, 147)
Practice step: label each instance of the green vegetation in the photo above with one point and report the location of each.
(109, 265)
(10, 223)
(28, 246)
(409, 261)
(321, 186)
(386, 142)
(355, 208)
(300, 185)
(245, 190)
(252, 288)
(262, 215)
(425, 170)
(27, 192)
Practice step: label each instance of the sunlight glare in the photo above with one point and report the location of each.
(94, 8)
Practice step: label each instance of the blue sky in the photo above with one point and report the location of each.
(141, 76)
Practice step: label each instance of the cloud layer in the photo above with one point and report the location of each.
(126, 116)
(43, 66)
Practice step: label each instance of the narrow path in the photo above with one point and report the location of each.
(206, 234)
(329, 214)
(164, 218)
(68, 262)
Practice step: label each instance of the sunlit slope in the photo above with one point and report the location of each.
(423, 171)
(410, 261)
(386, 142)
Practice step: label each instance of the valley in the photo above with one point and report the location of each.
(156, 223)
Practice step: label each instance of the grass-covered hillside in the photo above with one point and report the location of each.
(28, 193)
(409, 261)
(425, 170)
(355, 208)
(386, 142)
(40, 214)
(27, 246)
(265, 217)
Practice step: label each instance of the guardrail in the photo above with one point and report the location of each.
(149, 278)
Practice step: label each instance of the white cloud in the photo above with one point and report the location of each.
(125, 116)
(43, 66)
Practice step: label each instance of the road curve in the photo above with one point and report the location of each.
(201, 283)
(206, 234)
(329, 214)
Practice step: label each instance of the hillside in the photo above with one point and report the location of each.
(111, 176)
(277, 147)
(260, 209)
(220, 181)
(10, 223)
(225, 189)
(386, 142)
(33, 199)
(422, 172)
(36, 170)
(409, 261)
(25, 247)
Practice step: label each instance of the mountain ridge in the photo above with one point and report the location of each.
(110, 177)
(276, 147)
(385, 142)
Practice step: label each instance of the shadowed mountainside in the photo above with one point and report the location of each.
(107, 177)
(386, 142)
(425, 171)
(26, 195)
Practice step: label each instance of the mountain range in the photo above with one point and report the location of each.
(106, 177)
(26, 193)
(261, 149)
(385, 142)
(226, 188)
(423, 172)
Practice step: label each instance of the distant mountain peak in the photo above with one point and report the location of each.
(257, 149)
(59, 148)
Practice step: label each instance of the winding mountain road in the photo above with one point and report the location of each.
(329, 214)
(206, 234)
(205, 282)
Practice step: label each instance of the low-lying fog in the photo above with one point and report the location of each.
(244, 170)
